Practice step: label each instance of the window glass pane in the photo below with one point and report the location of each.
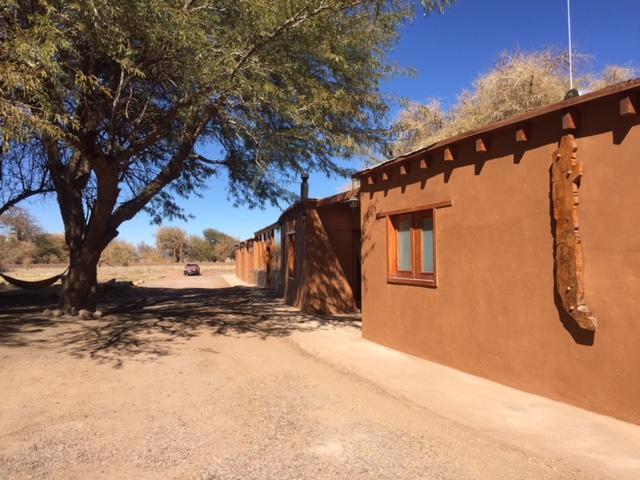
(404, 245)
(277, 237)
(427, 244)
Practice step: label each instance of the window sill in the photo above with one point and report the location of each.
(412, 281)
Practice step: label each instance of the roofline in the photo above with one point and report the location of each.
(265, 229)
(341, 197)
(509, 122)
(320, 202)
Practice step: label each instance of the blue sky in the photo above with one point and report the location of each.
(448, 52)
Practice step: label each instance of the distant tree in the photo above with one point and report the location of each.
(146, 252)
(517, 83)
(225, 248)
(16, 252)
(222, 244)
(19, 224)
(213, 236)
(23, 241)
(116, 96)
(171, 243)
(200, 250)
(50, 248)
(119, 252)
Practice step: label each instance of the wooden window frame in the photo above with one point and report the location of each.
(416, 276)
(291, 255)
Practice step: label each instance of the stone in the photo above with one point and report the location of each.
(57, 313)
(85, 314)
(97, 314)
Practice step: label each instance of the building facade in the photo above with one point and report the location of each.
(310, 256)
(513, 252)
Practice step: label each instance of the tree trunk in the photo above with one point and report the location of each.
(80, 285)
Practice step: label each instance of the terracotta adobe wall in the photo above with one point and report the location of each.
(244, 263)
(268, 272)
(494, 312)
(238, 261)
(326, 286)
(342, 227)
(294, 293)
(323, 274)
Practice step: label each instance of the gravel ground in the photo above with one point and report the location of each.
(178, 381)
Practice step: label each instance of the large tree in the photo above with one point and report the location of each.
(120, 99)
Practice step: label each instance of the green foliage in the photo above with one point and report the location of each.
(124, 101)
(50, 248)
(223, 245)
(200, 250)
(134, 86)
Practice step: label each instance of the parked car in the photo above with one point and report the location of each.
(192, 269)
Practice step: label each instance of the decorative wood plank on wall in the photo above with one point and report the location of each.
(566, 172)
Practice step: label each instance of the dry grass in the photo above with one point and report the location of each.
(519, 82)
(132, 273)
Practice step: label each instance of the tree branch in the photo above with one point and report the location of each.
(170, 172)
(23, 196)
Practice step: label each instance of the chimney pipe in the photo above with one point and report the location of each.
(304, 187)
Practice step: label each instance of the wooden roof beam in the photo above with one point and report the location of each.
(449, 154)
(570, 120)
(482, 144)
(522, 134)
(627, 106)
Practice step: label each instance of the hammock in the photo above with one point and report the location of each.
(34, 285)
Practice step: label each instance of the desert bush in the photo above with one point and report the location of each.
(518, 82)
(148, 253)
(119, 252)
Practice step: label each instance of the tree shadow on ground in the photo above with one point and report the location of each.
(147, 323)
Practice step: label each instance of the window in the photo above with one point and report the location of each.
(291, 255)
(411, 242)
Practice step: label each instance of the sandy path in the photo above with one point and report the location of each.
(214, 388)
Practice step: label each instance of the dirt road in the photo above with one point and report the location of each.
(182, 381)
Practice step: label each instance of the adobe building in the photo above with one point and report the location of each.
(513, 252)
(245, 262)
(310, 256)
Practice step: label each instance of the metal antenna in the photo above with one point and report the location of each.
(570, 48)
